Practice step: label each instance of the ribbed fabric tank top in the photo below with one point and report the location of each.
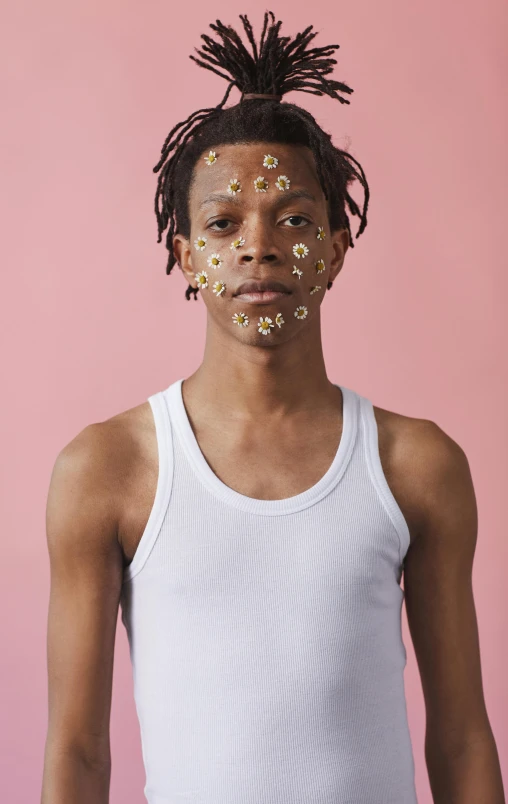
(265, 635)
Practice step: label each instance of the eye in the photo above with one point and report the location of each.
(215, 223)
(298, 218)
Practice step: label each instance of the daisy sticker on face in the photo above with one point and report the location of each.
(240, 241)
(282, 183)
(202, 278)
(270, 161)
(264, 325)
(300, 250)
(241, 319)
(200, 243)
(260, 184)
(279, 320)
(320, 266)
(315, 289)
(301, 311)
(211, 158)
(297, 270)
(321, 234)
(214, 260)
(219, 287)
(234, 187)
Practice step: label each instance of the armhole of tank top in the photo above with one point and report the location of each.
(371, 441)
(163, 489)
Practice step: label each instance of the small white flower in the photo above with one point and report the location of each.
(240, 241)
(282, 183)
(270, 161)
(241, 319)
(301, 311)
(279, 320)
(260, 184)
(320, 266)
(219, 287)
(211, 158)
(200, 243)
(202, 278)
(315, 289)
(297, 270)
(300, 250)
(214, 260)
(321, 234)
(264, 325)
(234, 187)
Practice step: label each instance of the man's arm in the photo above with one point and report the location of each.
(86, 579)
(460, 751)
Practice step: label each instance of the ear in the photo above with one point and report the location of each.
(339, 241)
(183, 254)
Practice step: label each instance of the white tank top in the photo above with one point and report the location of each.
(265, 635)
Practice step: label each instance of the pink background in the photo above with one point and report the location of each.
(93, 324)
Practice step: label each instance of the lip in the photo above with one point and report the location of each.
(261, 297)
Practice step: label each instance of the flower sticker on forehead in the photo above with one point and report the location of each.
(270, 161)
(320, 233)
(260, 184)
(239, 241)
(300, 250)
(282, 183)
(234, 187)
(200, 243)
(211, 158)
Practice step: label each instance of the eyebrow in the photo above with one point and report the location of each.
(288, 195)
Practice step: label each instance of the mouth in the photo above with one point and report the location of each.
(262, 297)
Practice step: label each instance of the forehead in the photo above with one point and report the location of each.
(245, 160)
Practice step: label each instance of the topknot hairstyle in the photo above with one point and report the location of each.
(278, 66)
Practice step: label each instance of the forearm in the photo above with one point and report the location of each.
(68, 777)
(465, 773)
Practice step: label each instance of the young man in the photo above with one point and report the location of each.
(253, 521)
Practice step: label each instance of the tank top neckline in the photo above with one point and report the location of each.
(286, 505)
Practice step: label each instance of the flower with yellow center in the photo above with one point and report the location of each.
(211, 158)
(214, 260)
(282, 183)
(320, 266)
(279, 320)
(264, 325)
(297, 270)
(270, 161)
(301, 311)
(300, 250)
(202, 278)
(321, 234)
(219, 287)
(234, 187)
(241, 319)
(260, 184)
(240, 241)
(315, 289)
(200, 243)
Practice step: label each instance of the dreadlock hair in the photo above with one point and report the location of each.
(280, 65)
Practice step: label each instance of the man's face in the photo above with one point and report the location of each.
(258, 213)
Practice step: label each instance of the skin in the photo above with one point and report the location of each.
(245, 401)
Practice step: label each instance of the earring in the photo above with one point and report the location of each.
(329, 285)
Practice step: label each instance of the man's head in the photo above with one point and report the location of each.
(240, 136)
(257, 213)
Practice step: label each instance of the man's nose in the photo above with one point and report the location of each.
(260, 247)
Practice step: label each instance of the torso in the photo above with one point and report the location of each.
(297, 464)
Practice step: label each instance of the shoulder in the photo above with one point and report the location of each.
(426, 468)
(94, 467)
